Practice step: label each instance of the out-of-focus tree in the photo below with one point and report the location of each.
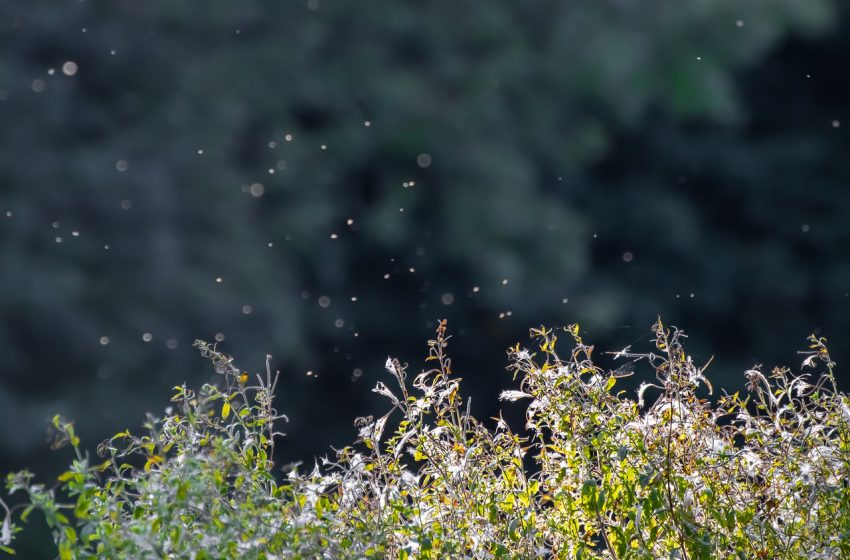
(184, 170)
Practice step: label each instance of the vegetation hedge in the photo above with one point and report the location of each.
(671, 474)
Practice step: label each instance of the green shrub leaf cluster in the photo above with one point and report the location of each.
(678, 472)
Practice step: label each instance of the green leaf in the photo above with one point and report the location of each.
(65, 551)
(65, 476)
(26, 513)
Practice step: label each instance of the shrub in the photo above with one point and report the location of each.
(599, 475)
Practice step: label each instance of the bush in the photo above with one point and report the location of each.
(758, 476)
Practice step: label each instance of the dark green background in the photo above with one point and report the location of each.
(706, 139)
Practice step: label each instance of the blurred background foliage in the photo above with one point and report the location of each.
(245, 170)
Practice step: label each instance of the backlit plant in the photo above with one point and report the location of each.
(671, 474)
